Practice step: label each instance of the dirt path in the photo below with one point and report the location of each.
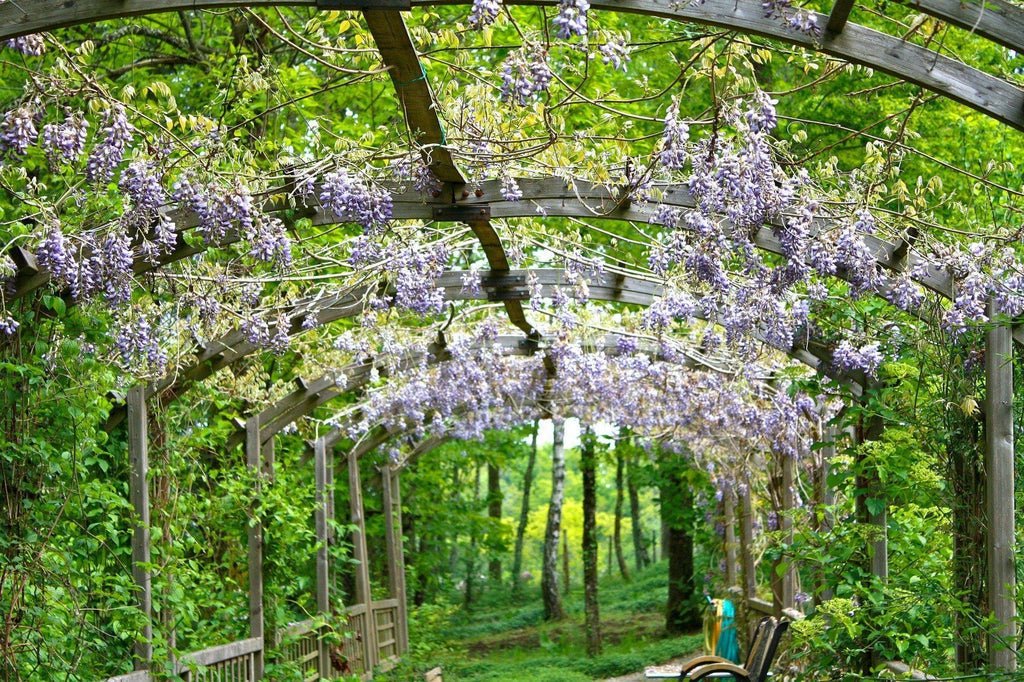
(639, 676)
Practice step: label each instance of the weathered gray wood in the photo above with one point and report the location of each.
(999, 492)
(824, 498)
(748, 575)
(137, 676)
(323, 598)
(391, 480)
(729, 512)
(138, 456)
(997, 20)
(359, 553)
(253, 459)
(857, 44)
(783, 583)
(839, 15)
(222, 653)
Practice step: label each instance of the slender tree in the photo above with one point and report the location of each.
(470, 593)
(617, 530)
(524, 513)
(549, 573)
(494, 514)
(591, 610)
(642, 557)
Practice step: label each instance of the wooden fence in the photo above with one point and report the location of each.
(298, 644)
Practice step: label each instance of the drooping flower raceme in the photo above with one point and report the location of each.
(572, 18)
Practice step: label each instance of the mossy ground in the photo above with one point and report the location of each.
(506, 639)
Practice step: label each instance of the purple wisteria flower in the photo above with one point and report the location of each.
(525, 74)
(484, 13)
(674, 152)
(867, 358)
(32, 44)
(117, 134)
(352, 198)
(18, 129)
(572, 18)
(615, 53)
(65, 141)
(510, 189)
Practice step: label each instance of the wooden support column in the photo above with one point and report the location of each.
(253, 461)
(138, 490)
(823, 500)
(396, 557)
(999, 492)
(729, 510)
(323, 601)
(748, 578)
(363, 592)
(783, 586)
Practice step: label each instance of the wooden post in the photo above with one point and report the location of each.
(323, 603)
(363, 592)
(138, 489)
(999, 491)
(332, 572)
(748, 587)
(823, 499)
(253, 461)
(396, 559)
(729, 511)
(783, 584)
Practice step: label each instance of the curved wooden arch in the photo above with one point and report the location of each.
(552, 197)
(308, 396)
(853, 43)
(512, 285)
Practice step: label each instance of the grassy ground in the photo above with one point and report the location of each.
(502, 639)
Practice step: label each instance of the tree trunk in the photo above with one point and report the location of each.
(642, 557)
(524, 515)
(494, 514)
(565, 562)
(549, 574)
(471, 558)
(681, 612)
(592, 616)
(617, 531)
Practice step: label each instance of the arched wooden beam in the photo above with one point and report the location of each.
(857, 44)
(512, 285)
(550, 196)
(311, 395)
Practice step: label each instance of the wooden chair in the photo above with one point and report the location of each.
(763, 646)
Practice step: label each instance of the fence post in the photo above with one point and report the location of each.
(138, 488)
(323, 603)
(999, 491)
(363, 592)
(253, 459)
(396, 556)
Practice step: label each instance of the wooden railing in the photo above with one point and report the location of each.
(352, 650)
(234, 662)
(298, 644)
(385, 619)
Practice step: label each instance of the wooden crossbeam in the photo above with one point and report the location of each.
(420, 109)
(838, 17)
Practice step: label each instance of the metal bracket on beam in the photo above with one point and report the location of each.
(462, 214)
(362, 5)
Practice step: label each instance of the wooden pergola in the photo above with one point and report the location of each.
(998, 21)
